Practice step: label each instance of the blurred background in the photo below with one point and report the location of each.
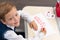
(20, 4)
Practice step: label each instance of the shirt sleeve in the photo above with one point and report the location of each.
(11, 35)
(26, 16)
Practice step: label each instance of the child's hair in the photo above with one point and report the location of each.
(5, 7)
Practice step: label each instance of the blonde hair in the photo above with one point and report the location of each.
(5, 7)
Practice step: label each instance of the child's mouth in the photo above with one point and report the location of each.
(16, 23)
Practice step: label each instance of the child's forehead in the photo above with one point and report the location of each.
(12, 12)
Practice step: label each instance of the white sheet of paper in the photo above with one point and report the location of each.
(42, 21)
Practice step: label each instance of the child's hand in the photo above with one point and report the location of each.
(33, 25)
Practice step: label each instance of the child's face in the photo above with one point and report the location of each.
(12, 18)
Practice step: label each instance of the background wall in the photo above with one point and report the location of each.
(21, 3)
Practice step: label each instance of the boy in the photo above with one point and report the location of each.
(9, 19)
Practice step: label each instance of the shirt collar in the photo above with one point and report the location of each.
(12, 27)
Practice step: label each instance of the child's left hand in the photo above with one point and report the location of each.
(33, 25)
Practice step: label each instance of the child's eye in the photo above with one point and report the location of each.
(10, 18)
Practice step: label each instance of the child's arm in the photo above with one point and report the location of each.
(29, 19)
(11, 35)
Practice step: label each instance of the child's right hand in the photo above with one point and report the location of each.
(33, 25)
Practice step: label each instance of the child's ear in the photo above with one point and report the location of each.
(3, 21)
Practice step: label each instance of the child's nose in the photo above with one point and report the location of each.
(15, 18)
